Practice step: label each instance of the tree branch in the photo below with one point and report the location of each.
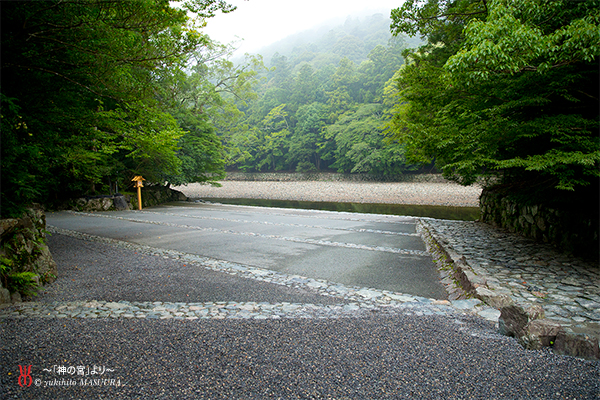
(65, 78)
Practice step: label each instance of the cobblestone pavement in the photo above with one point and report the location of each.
(566, 287)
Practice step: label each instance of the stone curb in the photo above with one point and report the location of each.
(454, 278)
(526, 322)
(454, 265)
(220, 310)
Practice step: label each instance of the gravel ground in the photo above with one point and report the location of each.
(418, 193)
(376, 356)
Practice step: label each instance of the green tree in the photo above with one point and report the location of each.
(361, 143)
(376, 71)
(80, 85)
(309, 146)
(343, 89)
(205, 98)
(275, 144)
(280, 78)
(243, 147)
(503, 88)
(351, 47)
(305, 86)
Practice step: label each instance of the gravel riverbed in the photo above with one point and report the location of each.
(418, 193)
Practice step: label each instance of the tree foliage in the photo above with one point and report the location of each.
(83, 93)
(504, 88)
(204, 100)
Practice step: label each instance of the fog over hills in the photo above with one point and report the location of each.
(328, 43)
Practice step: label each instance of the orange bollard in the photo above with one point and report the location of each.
(138, 184)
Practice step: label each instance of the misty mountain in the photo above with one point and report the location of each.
(327, 44)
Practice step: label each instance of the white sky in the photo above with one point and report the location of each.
(262, 22)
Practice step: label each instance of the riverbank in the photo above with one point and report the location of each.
(417, 193)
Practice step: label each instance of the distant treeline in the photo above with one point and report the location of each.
(323, 105)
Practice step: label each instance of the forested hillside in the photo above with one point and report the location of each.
(322, 103)
(95, 92)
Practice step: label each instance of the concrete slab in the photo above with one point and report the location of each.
(365, 250)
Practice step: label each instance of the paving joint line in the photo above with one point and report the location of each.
(388, 217)
(360, 230)
(419, 253)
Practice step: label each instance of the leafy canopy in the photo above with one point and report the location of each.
(82, 93)
(322, 105)
(507, 88)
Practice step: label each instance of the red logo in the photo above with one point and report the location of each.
(25, 377)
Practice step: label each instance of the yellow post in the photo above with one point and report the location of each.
(138, 184)
(140, 197)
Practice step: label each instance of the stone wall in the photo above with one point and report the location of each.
(151, 196)
(155, 195)
(100, 203)
(571, 229)
(23, 249)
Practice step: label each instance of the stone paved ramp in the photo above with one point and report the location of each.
(373, 251)
(526, 272)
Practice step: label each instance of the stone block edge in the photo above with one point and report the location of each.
(531, 335)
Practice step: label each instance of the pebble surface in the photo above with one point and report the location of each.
(419, 193)
(394, 356)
